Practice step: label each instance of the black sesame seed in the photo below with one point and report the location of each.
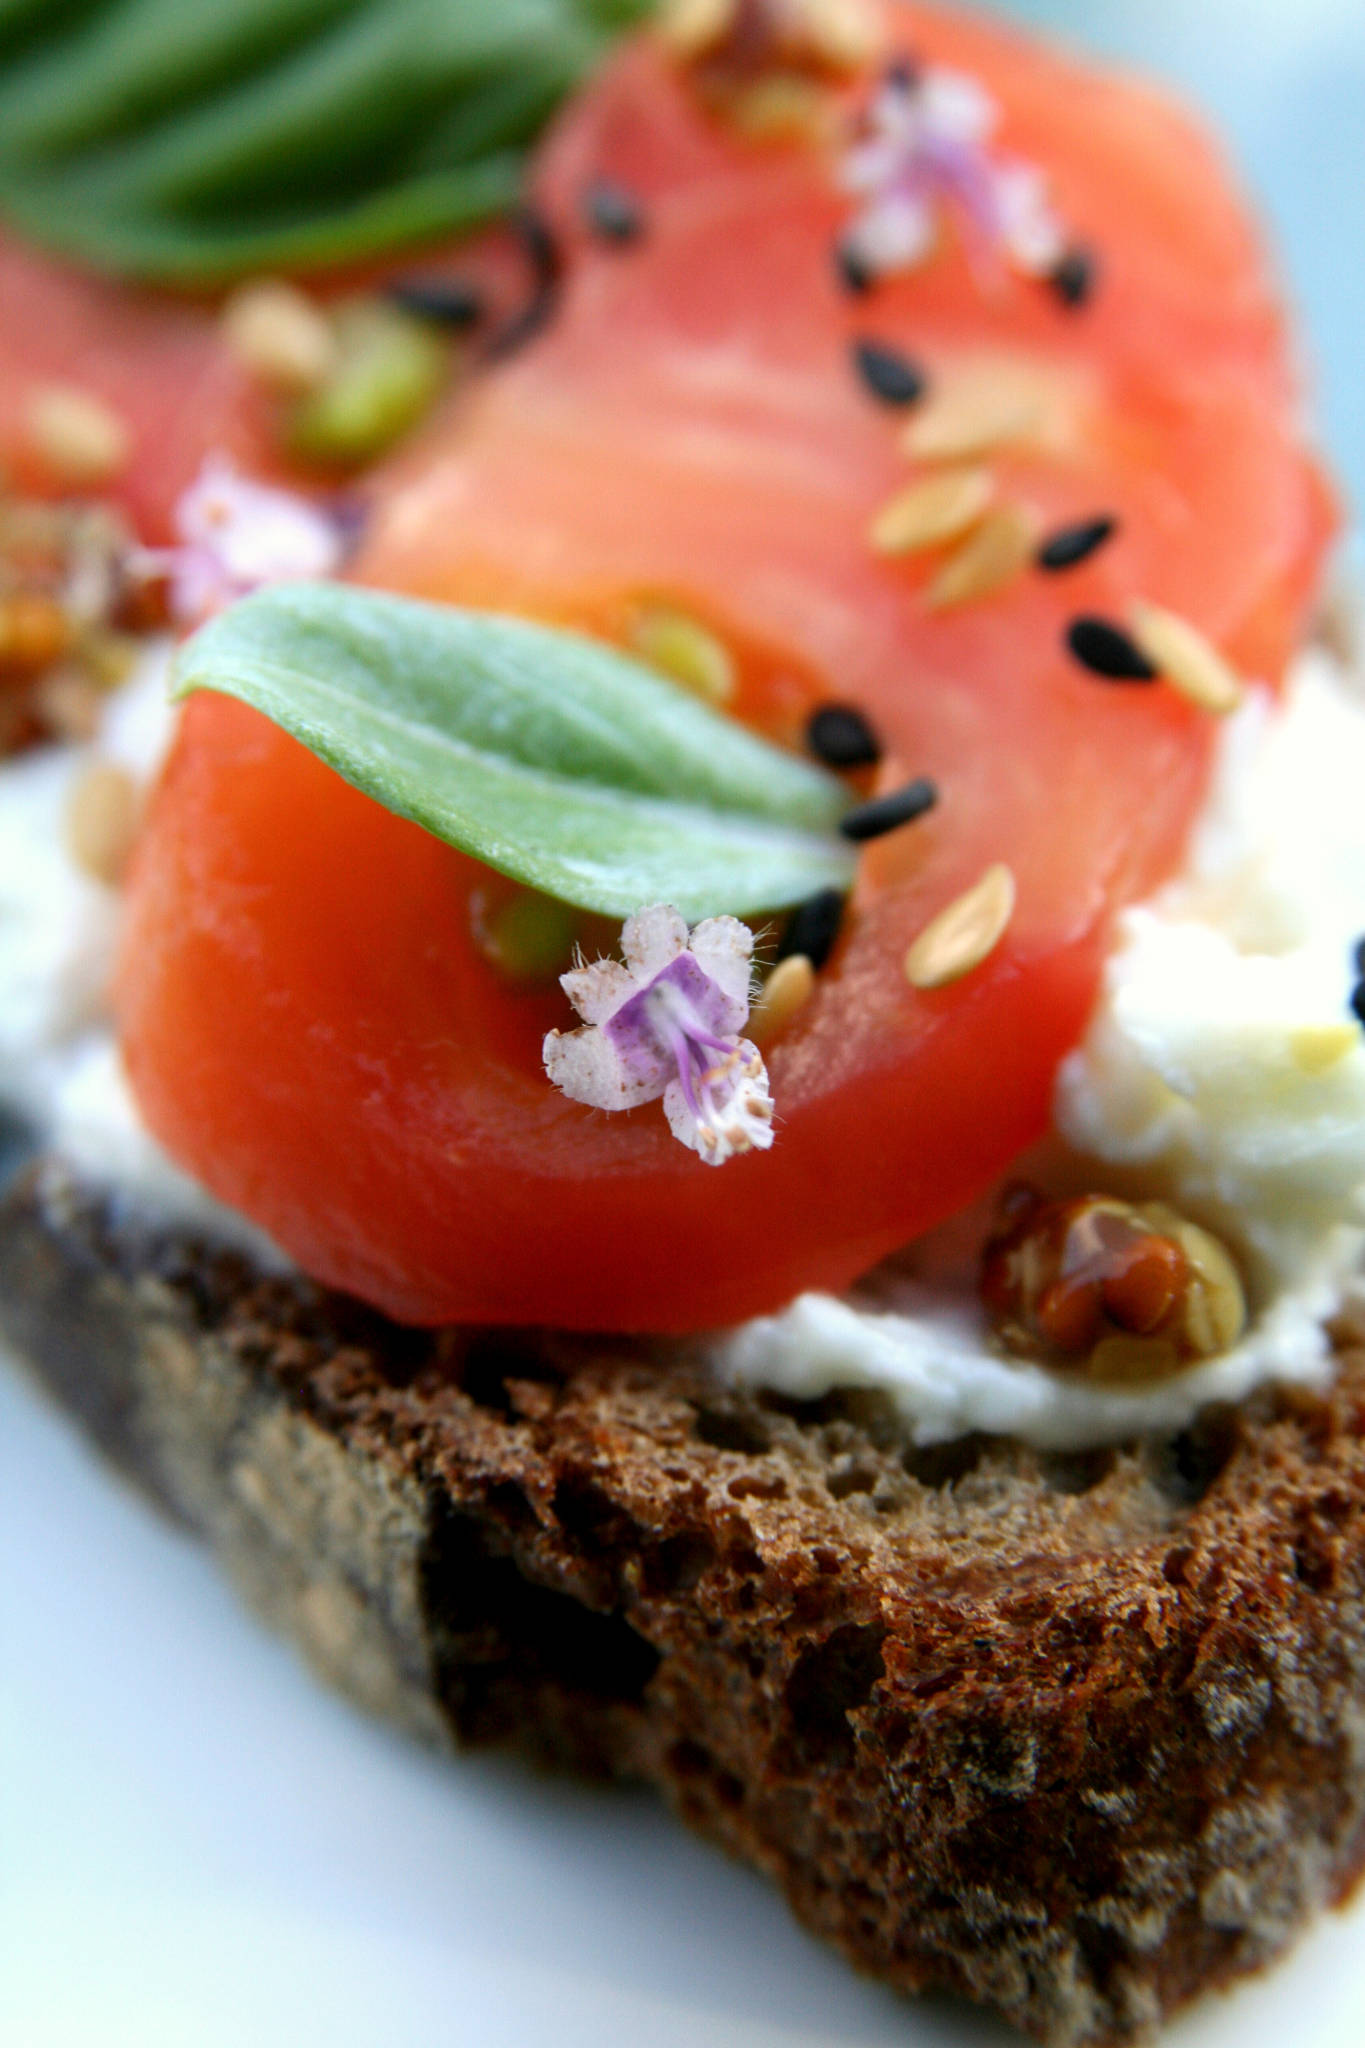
(1073, 278)
(903, 73)
(1358, 1002)
(885, 813)
(813, 927)
(613, 215)
(1107, 651)
(1072, 544)
(446, 302)
(853, 273)
(546, 263)
(888, 375)
(841, 737)
(1359, 957)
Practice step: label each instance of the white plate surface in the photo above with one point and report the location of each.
(198, 1849)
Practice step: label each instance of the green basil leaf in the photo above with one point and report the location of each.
(190, 144)
(548, 756)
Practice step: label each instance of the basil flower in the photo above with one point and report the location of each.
(666, 1023)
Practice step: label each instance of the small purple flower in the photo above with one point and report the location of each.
(925, 148)
(667, 1023)
(233, 535)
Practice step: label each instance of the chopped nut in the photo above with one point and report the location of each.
(785, 991)
(1000, 549)
(1121, 1292)
(936, 509)
(280, 336)
(34, 632)
(80, 439)
(962, 936)
(390, 370)
(681, 647)
(102, 819)
(1185, 658)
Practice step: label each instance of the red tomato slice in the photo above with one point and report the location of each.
(308, 1021)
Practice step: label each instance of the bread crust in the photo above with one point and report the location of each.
(1077, 1737)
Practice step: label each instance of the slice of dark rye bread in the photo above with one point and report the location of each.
(1075, 1736)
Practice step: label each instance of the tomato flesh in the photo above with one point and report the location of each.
(308, 1020)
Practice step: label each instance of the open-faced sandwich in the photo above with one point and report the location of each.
(707, 1110)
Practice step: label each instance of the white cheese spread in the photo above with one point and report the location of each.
(59, 1067)
(1222, 1072)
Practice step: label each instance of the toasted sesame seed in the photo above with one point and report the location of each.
(885, 813)
(999, 550)
(279, 336)
(887, 373)
(444, 301)
(813, 928)
(782, 107)
(101, 820)
(983, 407)
(1106, 650)
(1073, 279)
(79, 438)
(1185, 659)
(613, 214)
(840, 736)
(681, 647)
(933, 510)
(785, 991)
(963, 934)
(691, 26)
(843, 34)
(1070, 545)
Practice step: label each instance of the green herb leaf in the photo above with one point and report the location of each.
(546, 755)
(191, 143)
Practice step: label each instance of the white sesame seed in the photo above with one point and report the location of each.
(1185, 659)
(786, 990)
(933, 510)
(79, 438)
(998, 551)
(963, 934)
(101, 820)
(987, 404)
(279, 336)
(679, 646)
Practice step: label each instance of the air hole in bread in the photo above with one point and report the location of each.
(493, 1357)
(676, 1564)
(508, 1650)
(850, 1476)
(830, 1681)
(729, 1429)
(941, 1464)
(1075, 1472)
(1185, 1467)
